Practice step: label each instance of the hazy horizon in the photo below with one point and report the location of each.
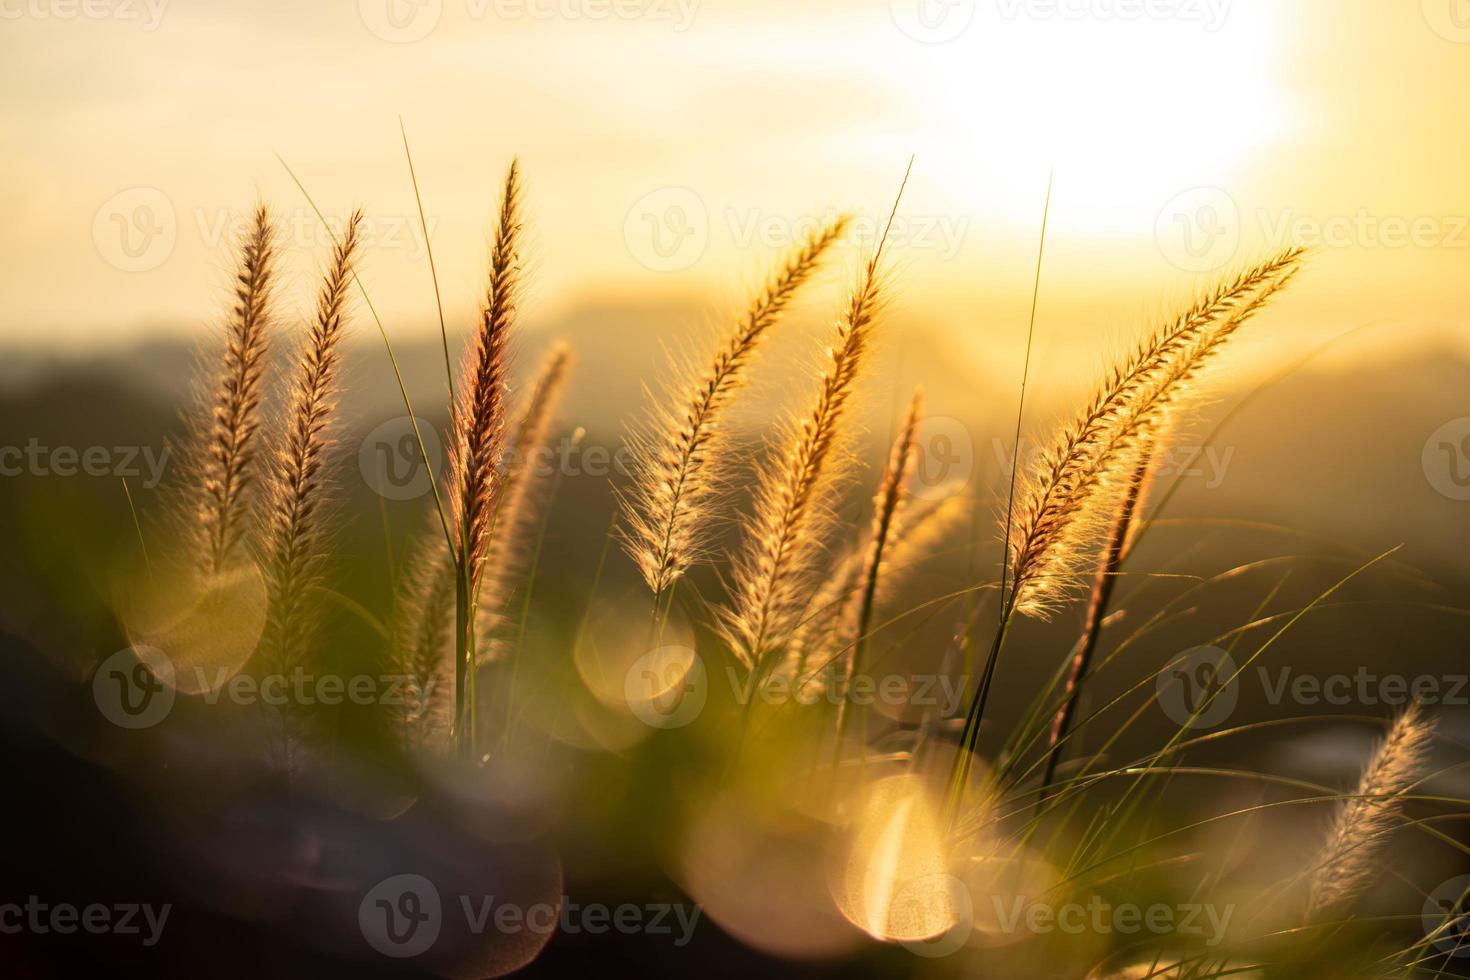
(1183, 145)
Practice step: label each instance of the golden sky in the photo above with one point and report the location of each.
(671, 145)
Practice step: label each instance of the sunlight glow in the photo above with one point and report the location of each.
(1126, 111)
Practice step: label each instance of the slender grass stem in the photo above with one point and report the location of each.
(1097, 608)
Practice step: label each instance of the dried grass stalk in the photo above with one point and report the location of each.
(681, 454)
(887, 510)
(298, 512)
(525, 479)
(221, 465)
(779, 559)
(1069, 495)
(1349, 864)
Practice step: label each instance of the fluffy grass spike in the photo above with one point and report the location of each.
(680, 455)
(223, 465)
(778, 561)
(297, 512)
(1349, 864)
(1069, 494)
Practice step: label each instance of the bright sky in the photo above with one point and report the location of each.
(671, 145)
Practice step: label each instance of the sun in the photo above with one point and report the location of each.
(1129, 109)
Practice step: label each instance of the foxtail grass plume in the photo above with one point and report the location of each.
(1114, 551)
(478, 438)
(888, 507)
(681, 454)
(1349, 863)
(775, 568)
(524, 482)
(221, 458)
(435, 631)
(1068, 496)
(823, 638)
(422, 644)
(297, 512)
(477, 441)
